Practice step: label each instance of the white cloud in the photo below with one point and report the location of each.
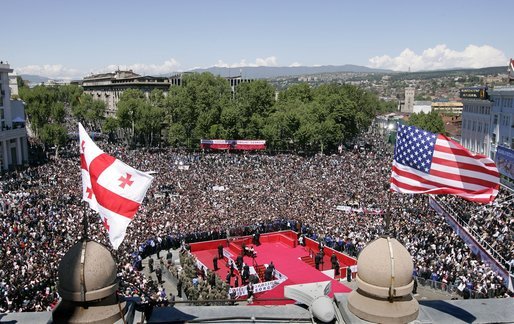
(441, 57)
(294, 64)
(53, 71)
(268, 61)
(168, 66)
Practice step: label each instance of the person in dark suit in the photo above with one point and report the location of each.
(246, 274)
(268, 273)
(220, 252)
(317, 260)
(239, 262)
(232, 268)
(333, 259)
(158, 274)
(150, 264)
(215, 263)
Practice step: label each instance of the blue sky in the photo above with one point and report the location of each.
(70, 39)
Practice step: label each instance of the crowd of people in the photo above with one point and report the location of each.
(493, 225)
(201, 196)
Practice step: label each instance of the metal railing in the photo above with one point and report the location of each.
(453, 289)
(485, 245)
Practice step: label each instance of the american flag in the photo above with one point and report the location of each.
(432, 163)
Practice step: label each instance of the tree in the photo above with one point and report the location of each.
(149, 122)
(45, 109)
(254, 102)
(301, 91)
(54, 134)
(431, 122)
(129, 112)
(197, 106)
(110, 126)
(90, 112)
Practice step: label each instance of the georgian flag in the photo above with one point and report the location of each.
(110, 187)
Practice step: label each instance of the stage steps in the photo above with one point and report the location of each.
(307, 259)
(310, 261)
(260, 271)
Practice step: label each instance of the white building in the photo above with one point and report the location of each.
(502, 116)
(422, 106)
(13, 135)
(488, 119)
(476, 120)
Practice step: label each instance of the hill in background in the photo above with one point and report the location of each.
(266, 72)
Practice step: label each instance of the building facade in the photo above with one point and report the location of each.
(108, 87)
(502, 116)
(422, 107)
(476, 125)
(13, 134)
(448, 107)
(488, 119)
(409, 100)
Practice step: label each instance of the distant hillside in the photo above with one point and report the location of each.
(34, 79)
(423, 75)
(265, 72)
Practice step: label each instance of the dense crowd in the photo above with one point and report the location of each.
(197, 196)
(492, 225)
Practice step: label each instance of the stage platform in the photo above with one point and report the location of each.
(293, 263)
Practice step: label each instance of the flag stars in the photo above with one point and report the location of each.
(414, 148)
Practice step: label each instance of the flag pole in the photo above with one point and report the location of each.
(85, 224)
(387, 215)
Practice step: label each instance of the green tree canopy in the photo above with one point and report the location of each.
(197, 106)
(431, 122)
(88, 111)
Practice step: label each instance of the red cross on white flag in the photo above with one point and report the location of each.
(110, 187)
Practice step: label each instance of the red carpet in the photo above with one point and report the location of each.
(287, 260)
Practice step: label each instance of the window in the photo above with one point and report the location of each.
(495, 120)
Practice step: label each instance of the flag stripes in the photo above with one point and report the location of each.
(426, 163)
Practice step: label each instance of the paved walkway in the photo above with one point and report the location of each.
(167, 283)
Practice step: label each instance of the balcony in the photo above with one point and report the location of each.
(8, 134)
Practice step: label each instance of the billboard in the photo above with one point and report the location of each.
(474, 93)
(505, 165)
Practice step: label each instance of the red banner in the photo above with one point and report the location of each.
(245, 145)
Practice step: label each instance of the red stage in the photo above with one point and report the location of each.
(290, 259)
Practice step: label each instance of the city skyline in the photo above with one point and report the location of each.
(69, 40)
